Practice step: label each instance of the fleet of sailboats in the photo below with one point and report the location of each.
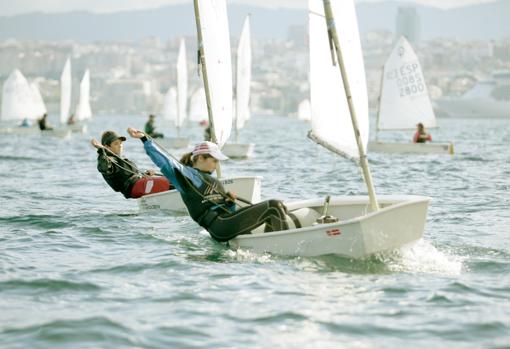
(216, 68)
(351, 226)
(404, 102)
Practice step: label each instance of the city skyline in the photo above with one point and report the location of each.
(51, 6)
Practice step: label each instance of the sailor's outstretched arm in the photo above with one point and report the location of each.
(168, 165)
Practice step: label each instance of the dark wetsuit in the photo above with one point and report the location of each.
(207, 201)
(121, 175)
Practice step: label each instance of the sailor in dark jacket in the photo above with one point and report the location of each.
(122, 174)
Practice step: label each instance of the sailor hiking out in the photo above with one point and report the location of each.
(204, 196)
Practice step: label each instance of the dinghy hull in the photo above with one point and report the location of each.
(245, 187)
(358, 234)
(418, 148)
(238, 150)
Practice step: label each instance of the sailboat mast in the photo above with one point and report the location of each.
(204, 77)
(330, 22)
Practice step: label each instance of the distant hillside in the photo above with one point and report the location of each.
(486, 21)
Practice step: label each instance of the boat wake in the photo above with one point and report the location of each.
(422, 257)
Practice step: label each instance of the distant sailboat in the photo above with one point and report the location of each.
(21, 100)
(350, 226)
(83, 110)
(242, 101)
(214, 44)
(18, 99)
(404, 102)
(65, 92)
(176, 102)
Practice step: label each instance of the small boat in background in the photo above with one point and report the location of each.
(404, 102)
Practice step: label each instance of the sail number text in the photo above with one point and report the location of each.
(408, 79)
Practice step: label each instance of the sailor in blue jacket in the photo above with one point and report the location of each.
(207, 201)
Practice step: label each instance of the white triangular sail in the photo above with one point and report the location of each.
(83, 111)
(404, 98)
(39, 106)
(213, 30)
(243, 76)
(65, 92)
(17, 98)
(182, 85)
(198, 106)
(305, 110)
(331, 120)
(169, 111)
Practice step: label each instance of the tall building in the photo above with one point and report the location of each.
(408, 24)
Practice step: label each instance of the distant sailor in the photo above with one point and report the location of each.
(25, 123)
(421, 135)
(122, 174)
(204, 196)
(43, 123)
(150, 129)
(71, 120)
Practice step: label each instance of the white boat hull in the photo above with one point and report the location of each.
(419, 148)
(358, 234)
(77, 128)
(238, 150)
(63, 133)
(245, 187)
(173, 142)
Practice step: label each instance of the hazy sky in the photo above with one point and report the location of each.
(13, 7)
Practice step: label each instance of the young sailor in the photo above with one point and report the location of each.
(421, 135)
(207, 202)
(122, 174)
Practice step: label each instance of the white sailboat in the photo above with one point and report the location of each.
(39, 105)
(19, 102)
(83, 110)
(65, 92)
(176, 102)
(351, 226)
(242, 101)
(214, 44)
(404, 102)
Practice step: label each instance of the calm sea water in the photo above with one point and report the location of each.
(81, 267)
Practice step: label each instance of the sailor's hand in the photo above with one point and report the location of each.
(232, 196)
(95, 143)
(133, 132)
(150, 172)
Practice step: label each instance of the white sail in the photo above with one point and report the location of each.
(169, 111)
(198, 106)
(83, 110)
(404, 98)
(39, 106)
(214, 31)
(305, 110)
(243, 76)
(182, 85)
(65, 92)
(331, 120)
(17, 98)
